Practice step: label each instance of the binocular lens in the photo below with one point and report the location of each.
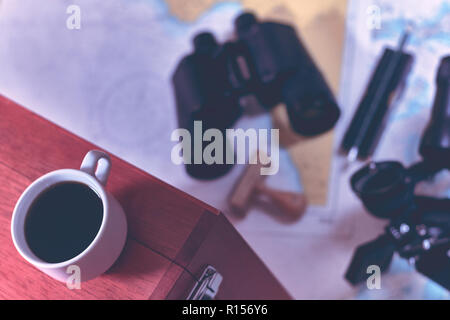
(312, 115)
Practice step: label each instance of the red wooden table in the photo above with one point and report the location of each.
(171, 235)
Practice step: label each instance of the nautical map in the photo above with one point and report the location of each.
(109, 82)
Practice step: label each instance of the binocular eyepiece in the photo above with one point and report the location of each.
(266, 60)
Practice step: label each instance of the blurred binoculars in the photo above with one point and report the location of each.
(266, 61)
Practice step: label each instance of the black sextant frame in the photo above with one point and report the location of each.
(419, 227)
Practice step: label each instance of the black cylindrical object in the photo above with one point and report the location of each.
(311, 107)
(202, 93)
(368, 123)
(435, 143)
(383, 188)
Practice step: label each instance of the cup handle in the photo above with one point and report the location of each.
(91, 166)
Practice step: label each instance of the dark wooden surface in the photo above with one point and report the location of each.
(171, 237)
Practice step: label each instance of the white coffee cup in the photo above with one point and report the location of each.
(107, 245)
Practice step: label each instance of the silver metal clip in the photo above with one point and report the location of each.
(208, 285)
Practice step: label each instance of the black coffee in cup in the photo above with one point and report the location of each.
(63, 221)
